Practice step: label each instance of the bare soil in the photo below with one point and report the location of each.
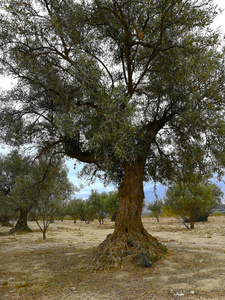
(31, 268)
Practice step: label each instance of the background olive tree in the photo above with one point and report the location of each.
(97, 203)
(13, 165)
(80, 209)
(112, 204)
(156, 208)
(192, 201)
(7, 212)
(49, 189)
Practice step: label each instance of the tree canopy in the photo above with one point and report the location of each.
(119, 85)
(109, 82)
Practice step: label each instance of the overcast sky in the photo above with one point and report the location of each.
(220, 20)
(6, 83)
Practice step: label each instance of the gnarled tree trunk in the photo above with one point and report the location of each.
(130, 242)
(21, 224)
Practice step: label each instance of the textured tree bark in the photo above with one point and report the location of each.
(131, 197)
(130, 242)
(44, 234)
(192, 222)
(21, 224)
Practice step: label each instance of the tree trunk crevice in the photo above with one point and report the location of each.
(21, 224)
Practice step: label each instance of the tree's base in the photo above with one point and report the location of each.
(121, 250)
(20, 229)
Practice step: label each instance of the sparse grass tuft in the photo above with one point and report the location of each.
(22, 284)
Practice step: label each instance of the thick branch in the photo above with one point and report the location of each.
(153, 128)
(73, 150)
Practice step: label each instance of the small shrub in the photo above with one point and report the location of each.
(163, 248)
(144, 261)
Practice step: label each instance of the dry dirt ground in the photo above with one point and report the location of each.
(31, 268)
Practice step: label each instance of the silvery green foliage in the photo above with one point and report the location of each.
(114, 82)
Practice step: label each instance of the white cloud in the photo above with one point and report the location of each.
(220, 19)
(6, 83)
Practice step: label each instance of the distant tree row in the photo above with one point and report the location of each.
(97, 206)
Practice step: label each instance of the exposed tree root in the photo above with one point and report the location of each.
(120, 250)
